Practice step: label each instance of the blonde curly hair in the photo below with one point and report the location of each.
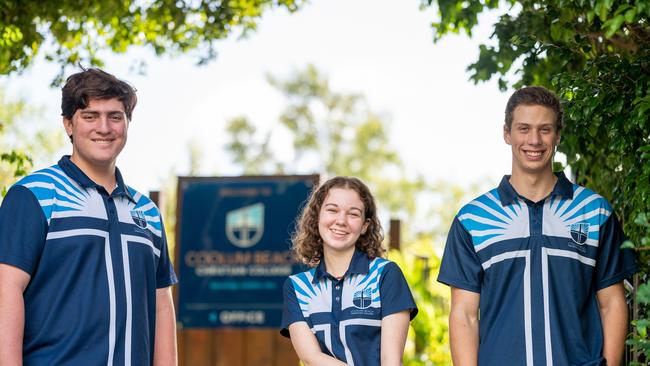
(307, 243)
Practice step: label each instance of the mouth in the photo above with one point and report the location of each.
(338, 232)
(103, 141)
(534, 155)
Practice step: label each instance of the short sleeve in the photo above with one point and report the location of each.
(165, 275)
(395, 293)
(460, 265)
(23, 229)
(613, 264)
(291, 312)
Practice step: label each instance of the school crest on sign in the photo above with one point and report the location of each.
(245, 226)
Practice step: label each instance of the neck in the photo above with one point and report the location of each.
(102, 175)
(534, 187)
(337, 263)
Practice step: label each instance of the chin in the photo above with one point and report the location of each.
(341, 247)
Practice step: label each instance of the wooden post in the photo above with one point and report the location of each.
(155, 197)
(394, 240)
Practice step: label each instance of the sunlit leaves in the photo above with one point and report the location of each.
(78, 31)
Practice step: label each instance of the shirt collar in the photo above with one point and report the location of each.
(73, 171)
(507, 194)
(360, 264)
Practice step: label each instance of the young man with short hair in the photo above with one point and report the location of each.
(538, 256)
(85, 273)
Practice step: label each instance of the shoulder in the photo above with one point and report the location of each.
(47, 181)
(479, 204)
(298, 279)
(385, 269)
(381, 264)
(586, 197)
(485, 206)
(53, 190)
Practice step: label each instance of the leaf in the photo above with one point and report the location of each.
(627, 245)
(643, 293)
(642, 219)
(613, 25)
(642, 327)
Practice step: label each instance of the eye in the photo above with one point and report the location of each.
(117, 117)
(355, 214)
(331, 210)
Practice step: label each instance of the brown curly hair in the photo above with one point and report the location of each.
(306, 240)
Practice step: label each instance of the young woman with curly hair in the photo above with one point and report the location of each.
(353, 306)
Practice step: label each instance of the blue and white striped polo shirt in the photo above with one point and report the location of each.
(95, 262)
(537, 267)
(345, 315)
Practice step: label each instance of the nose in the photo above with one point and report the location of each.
(340, 218)
(103, 125)
(534, 138)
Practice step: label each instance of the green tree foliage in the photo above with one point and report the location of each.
(596, 55)
(73, 32)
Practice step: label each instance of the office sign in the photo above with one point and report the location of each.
(233, 248)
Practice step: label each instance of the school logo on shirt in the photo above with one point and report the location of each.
(245, 226)
(579, 232)
(362, 299)
(139, 219)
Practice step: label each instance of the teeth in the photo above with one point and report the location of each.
(534, 153)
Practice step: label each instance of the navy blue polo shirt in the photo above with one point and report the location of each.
(345, 315)
(537, 267)
(95, 262)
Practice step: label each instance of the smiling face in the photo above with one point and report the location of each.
(341, 220)
(99, 133)
(533, 137)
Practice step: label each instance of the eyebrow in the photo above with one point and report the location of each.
(91, 111)
(526, 124)
(351, 208)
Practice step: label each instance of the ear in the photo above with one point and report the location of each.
(506, 134)
(67, 124)
(365, 227)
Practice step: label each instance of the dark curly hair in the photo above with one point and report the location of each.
(82, 87)
(306, 240)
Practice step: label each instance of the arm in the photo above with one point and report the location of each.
(165, 342)
(307, 348)
(613, 315)
(463, 327)
(394, 329)
(13, 282)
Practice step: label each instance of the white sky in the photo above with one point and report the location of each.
(443, 125)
